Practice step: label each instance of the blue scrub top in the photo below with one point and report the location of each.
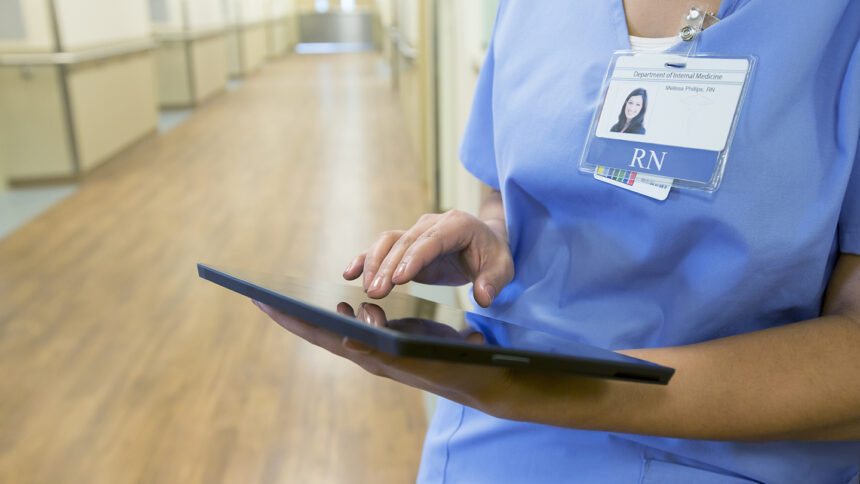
(605, 266)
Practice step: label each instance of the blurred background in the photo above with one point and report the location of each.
(139, 137)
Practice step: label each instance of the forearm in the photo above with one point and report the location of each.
(492, 212)
(795, 382)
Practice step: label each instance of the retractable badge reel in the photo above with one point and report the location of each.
(666, 120)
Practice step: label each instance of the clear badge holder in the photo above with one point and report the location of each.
(667, 119)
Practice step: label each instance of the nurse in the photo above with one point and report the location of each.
(752, 293)
(632, 113)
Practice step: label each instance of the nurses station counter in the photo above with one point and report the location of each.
(279, 35)
(246, 47)
(77, 85)
(191, 66)
(191, 60)
(257, 30)
(64, 113)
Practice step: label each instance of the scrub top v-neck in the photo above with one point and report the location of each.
(612, 268)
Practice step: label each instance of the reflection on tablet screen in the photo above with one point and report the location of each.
(404, 313)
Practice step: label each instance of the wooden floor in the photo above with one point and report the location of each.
(119, 365)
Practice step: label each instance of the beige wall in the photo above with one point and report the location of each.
(113, 105)
(411, 103)
(461, 52)
(462, 30)
(416, 84)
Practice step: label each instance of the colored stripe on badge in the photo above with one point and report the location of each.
(656, 187)
(621, 176)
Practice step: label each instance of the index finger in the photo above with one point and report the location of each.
(447, 235)
(355, 267)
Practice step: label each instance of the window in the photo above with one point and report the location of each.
(11, 20)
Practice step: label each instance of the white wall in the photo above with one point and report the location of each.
(205, 14)
(172, 10)
(229, 10)
(251, 11)
(279, 8)
(36, 20)
(383, 7)
(92, 23)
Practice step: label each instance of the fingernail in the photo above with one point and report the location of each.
(349, 267)
(400, 270)
(491, 291)
(377, 283)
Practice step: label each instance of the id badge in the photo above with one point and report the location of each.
(666, 120)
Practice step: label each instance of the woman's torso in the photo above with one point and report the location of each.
(612, 268)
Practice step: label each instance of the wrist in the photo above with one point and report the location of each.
(498, 227)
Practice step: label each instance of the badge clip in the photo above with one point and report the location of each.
(692, 24)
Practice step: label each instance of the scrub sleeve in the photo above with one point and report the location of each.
(849, 218)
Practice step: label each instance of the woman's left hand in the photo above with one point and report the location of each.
(476, 386)
(791, 382)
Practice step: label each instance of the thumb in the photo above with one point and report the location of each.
(490, 281)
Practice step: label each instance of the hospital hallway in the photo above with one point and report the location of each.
(118, 364)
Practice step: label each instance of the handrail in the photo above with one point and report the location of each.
(237, 25)
(403, 46)
(185, 35)
(70, 58)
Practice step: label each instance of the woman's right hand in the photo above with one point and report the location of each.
(451, 248)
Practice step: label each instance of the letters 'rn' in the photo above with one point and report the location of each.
(639, 153)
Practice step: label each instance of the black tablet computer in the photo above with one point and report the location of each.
(409, 326)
